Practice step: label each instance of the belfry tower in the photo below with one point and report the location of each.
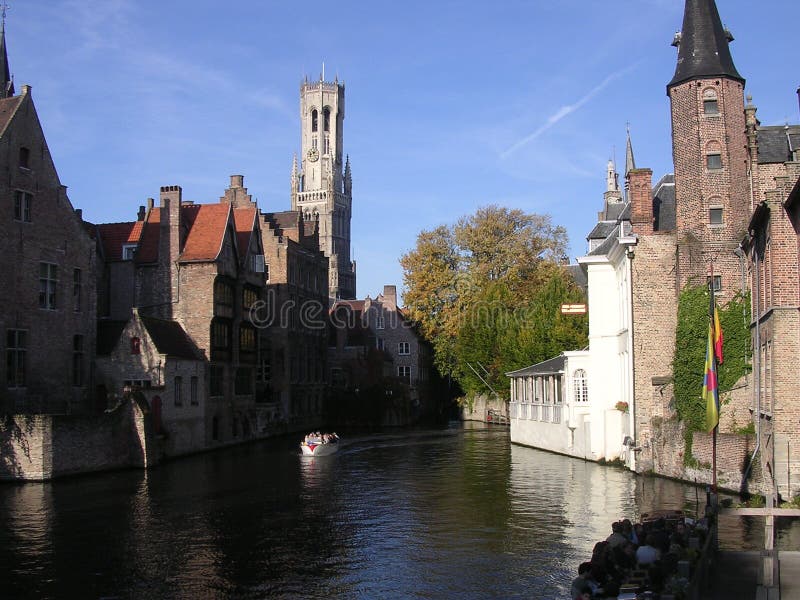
(709, 147)
(322, 185)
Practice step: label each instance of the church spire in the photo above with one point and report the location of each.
(703, 45)
(348, 177)
(7, 84)
(630, 163)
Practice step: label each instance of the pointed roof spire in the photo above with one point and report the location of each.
(7, 83)
(630, 163)
(703, 45)
(294, 166)
(612, 185)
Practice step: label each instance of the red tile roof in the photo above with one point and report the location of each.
(207, 231)
(114, 235)
(8, 106)
(148, 241)
(244, 219)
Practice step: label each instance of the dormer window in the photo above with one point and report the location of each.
(128, 251)
(24, 157)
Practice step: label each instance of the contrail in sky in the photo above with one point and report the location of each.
(565, 110)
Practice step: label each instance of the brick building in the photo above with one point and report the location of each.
(373, 345)
(47, 277)
(293, 335)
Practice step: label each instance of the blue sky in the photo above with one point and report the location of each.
(449, 105)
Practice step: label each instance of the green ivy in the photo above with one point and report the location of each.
(688, 364)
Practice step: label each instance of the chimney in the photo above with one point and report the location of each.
(79, 213)
(237, 181)
(141, 214)
(390, 295)
(169, 243)
(641, 201)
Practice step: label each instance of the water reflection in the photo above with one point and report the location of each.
(428, 514)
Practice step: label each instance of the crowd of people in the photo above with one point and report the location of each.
(642, 558)
(320, 438)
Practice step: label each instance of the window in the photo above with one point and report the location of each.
(404, 373)
(403, 348)
(381, 323)
(216, 380)
(136, 345)
(247, 339)
(264, 370)
(25, 157)
(178, 390)
(710, 107)
(710, 104)
(128, 251)
(193, 391)
(715, 216)
(249, 299)
(22, 206)
(16, 355)
(258, 263)
(77, 281)
(326, 118)
(266, 271)
(48, 278)
(138, 383)
(314, 120)
(77, 360)
(223, 298)
(714, 161)
(379, 343)
(717, 283)
(220, 340)
(580, 388)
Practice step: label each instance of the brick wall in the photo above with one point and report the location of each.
(39, 447)
(53, 234)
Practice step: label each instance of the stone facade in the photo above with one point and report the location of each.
(322, 187)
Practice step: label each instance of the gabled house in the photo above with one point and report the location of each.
(159, 360)
(47, 271)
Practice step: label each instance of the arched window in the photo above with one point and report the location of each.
(326, 118)
(581, 390)
(314, 120)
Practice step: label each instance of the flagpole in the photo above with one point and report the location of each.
(714, 358)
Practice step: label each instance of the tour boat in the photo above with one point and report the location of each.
(317, 446)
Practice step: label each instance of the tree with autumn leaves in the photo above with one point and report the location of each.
(486, 292)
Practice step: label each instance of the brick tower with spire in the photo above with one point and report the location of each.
(709, 146)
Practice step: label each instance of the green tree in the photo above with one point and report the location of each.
(487, 291)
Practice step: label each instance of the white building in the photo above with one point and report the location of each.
(581, 403)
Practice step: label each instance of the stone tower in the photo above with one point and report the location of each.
(709, 147)
(322, 185)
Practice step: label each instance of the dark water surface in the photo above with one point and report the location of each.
(455, 513)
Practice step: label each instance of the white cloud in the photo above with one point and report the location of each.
(565, 111)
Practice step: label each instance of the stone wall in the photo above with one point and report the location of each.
(40, 447)
(479, 407)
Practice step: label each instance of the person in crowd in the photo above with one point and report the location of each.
(629, 532)
(581, 582)
(616, 538)
(647, 554)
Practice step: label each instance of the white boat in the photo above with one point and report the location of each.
(315, 446)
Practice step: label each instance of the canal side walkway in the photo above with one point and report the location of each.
(736, 575)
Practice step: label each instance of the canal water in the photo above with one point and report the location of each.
(453, 513)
